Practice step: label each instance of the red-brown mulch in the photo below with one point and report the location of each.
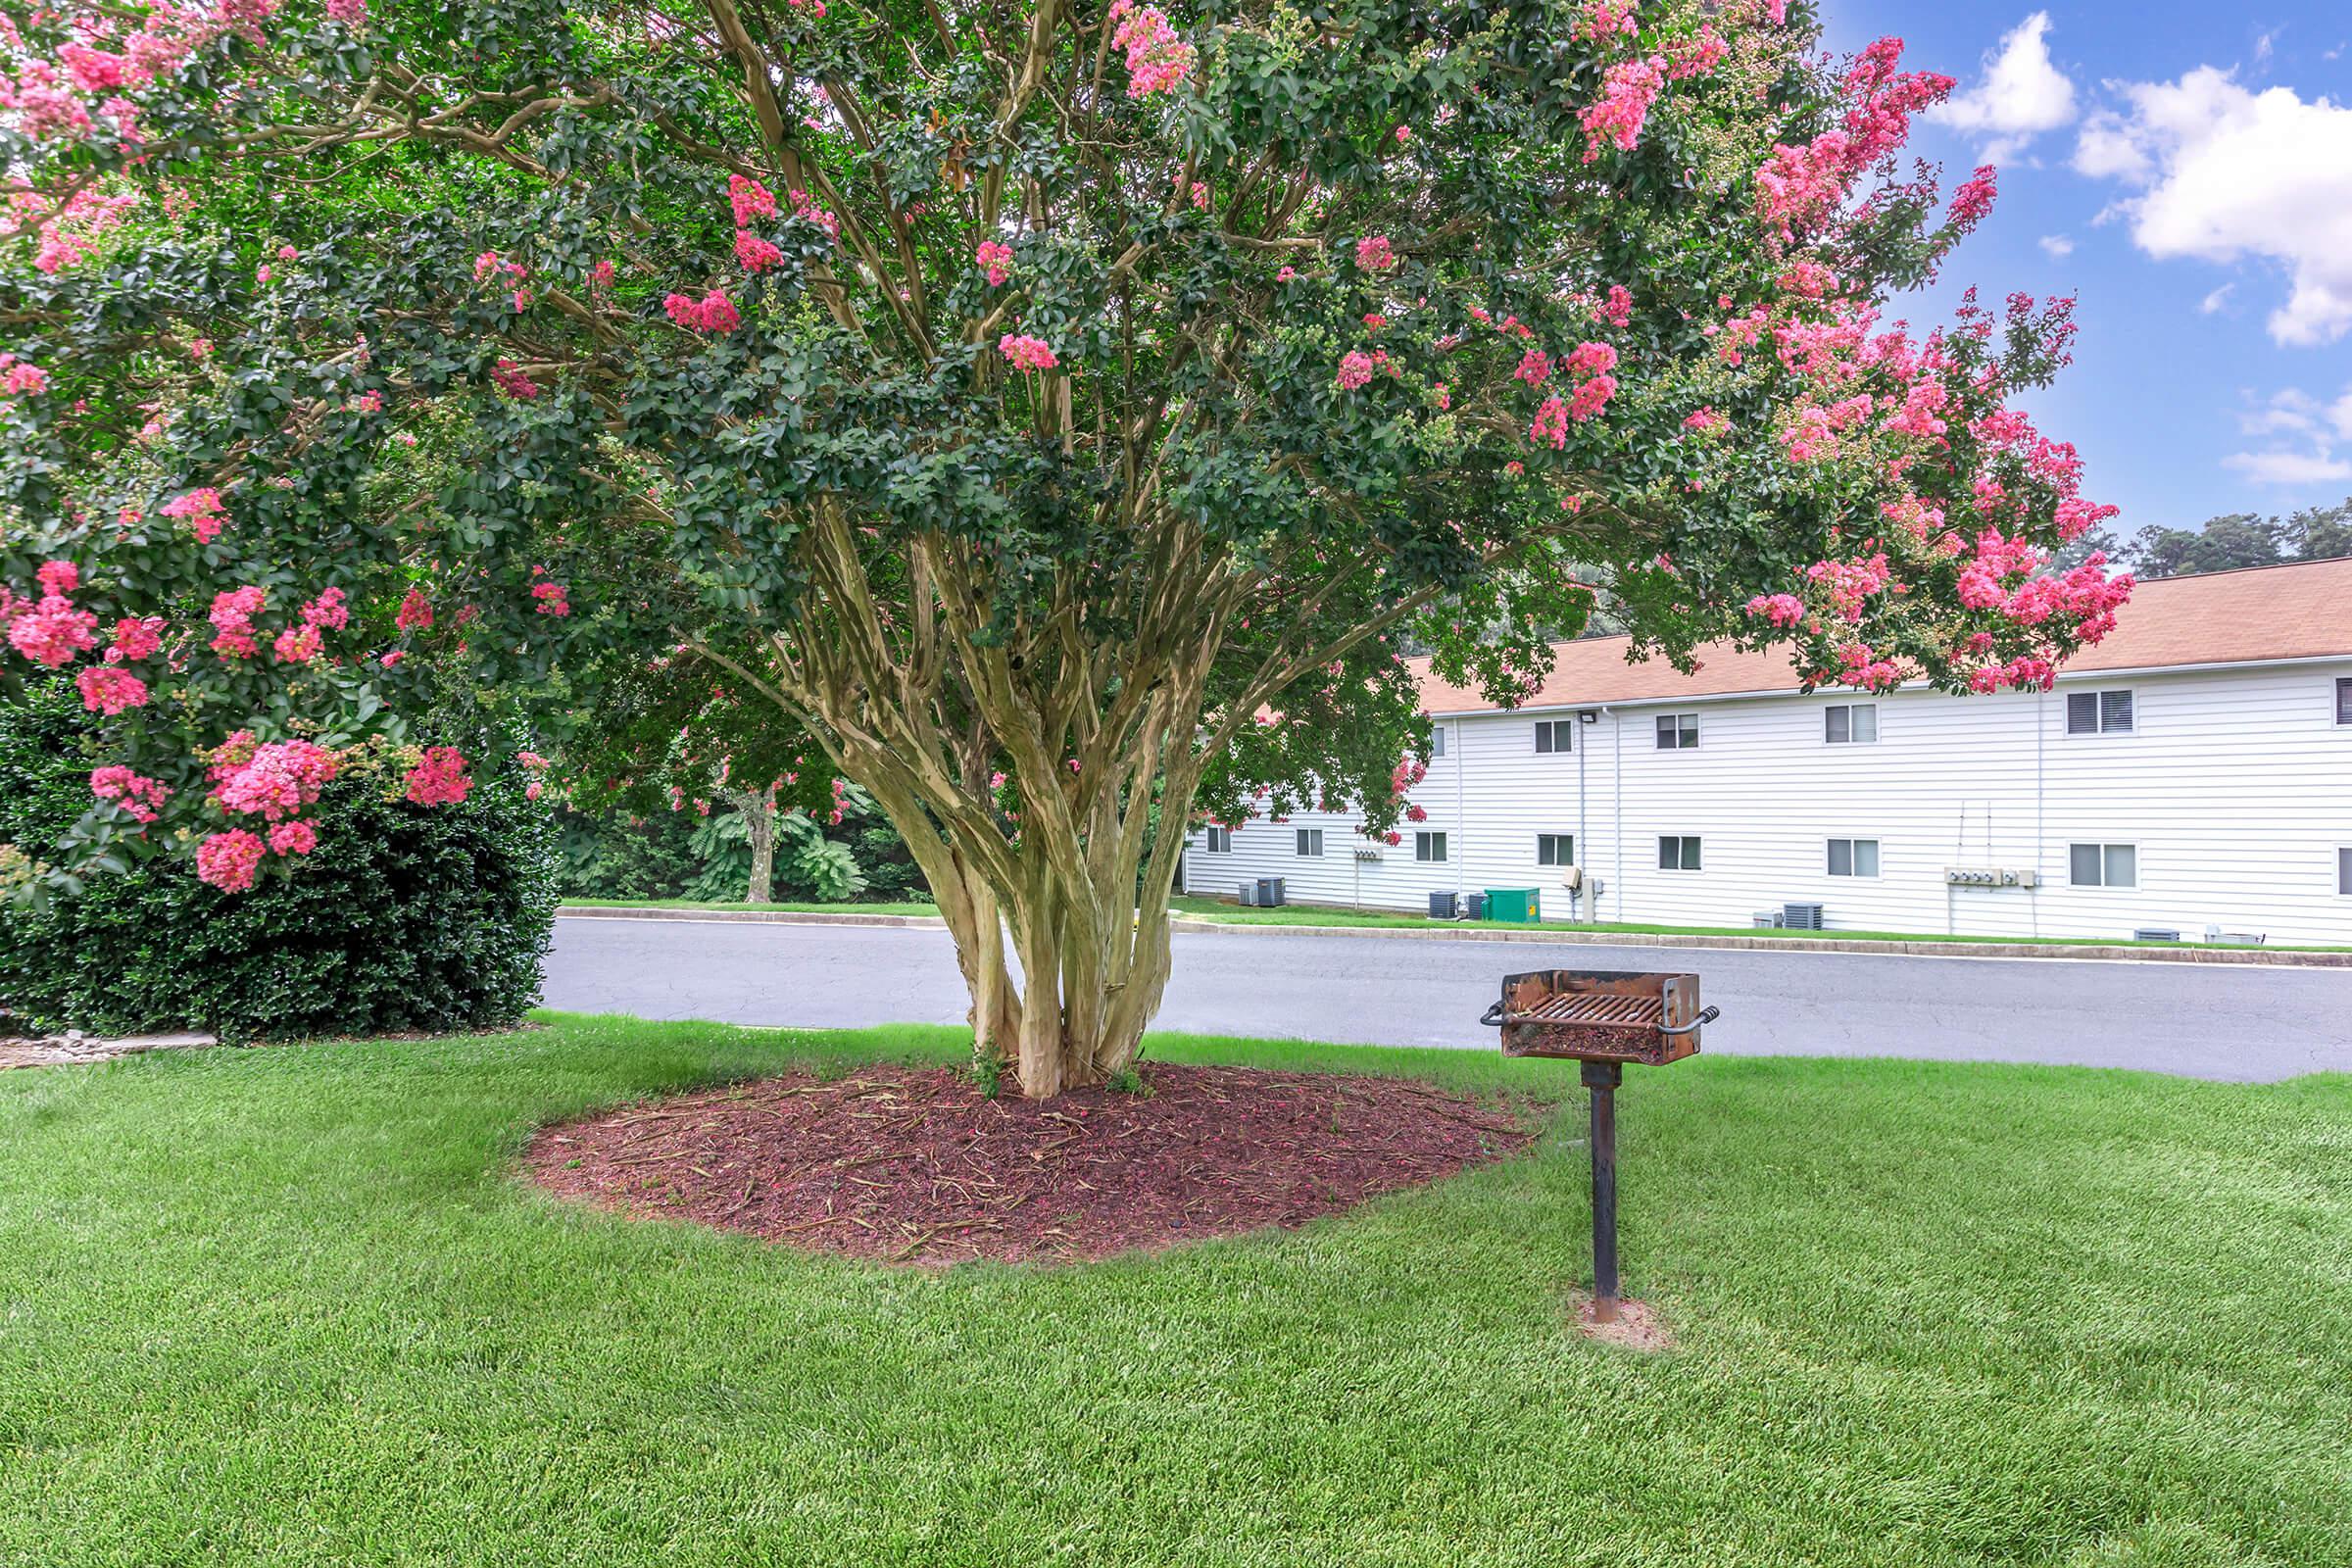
(916, 1165)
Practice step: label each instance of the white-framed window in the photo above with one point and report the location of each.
(1310, 842)
(1678, 852)
(1554, 735)
(2343, 700)
(1428, 846)
(2343, 871)
(1853, 856)
(2107, 712)
(1436, 741)
(1555, 849)
(2102, 865)
(1678, 732)
(1849, 724)
(1218, 840)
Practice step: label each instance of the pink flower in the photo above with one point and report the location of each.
(349, 12)
(551, 596)
(59, 577)
(1373, 254)
(1782, 610)
(23, 376)
(1355, 369)
(1535, 368)
(1971, 201)
(201, 511)
(229, 860)
(1707, 422)
(296, 646)
(1157, 61)
(994, 260)
(138, 797)
(52, 632)
(1550, 424)
(511, 380)
(108, 689)
(1405, 134)
(1590, 359)
(755, 254)
(135, 639)
(327, 612)
(272, 781)
(1026, 353)
(1285, 274)
(293, 838)
(416, 611)
(749, 199)
(1619, 310)
(1592, 397)
(1627, 90)
(439, 779)
(712, 312)
(231, 616)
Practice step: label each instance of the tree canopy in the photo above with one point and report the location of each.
(1057, 412)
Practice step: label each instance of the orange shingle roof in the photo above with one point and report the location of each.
(2302, 610)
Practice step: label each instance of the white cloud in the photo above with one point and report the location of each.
(2057, 245)
(2225, 173)
(2289, 468)
(2020, 94)
(2302, 436)
(2215, 300)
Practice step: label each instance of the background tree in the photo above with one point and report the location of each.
(2241, 539)
(1057, 412)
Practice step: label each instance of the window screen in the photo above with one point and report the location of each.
(1428, 846)
(2102, 865)
(1676, 731)
(1555, 849)
(1678, 852)
(2100, 713)
(1853, 856)
(1310, 842)
(1220, 840)
(1850, 723)
(1436, 741)
(2115, 711)
(1555, 735)
(2343, 871)
(2343, 702)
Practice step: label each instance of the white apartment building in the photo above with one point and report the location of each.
(2192, 772)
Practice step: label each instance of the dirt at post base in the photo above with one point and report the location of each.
(914, 1164)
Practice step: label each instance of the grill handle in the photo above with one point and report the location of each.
(1706, 1015)
(1492, 1016)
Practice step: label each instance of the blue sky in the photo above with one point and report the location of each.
(2187, 170)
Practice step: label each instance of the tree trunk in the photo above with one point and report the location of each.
(761, 815)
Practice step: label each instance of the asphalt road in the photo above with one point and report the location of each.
(2205, 1020)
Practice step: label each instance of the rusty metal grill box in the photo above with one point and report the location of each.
(1600, 1015)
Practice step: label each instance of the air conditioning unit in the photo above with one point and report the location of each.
(2234, 939)
(1768, 919)
(1249, 895)
(1801, 916)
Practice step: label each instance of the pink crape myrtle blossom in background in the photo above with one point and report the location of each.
(994, 260)
(1628, 88)
(1373, 254)
(109, 689)
(416, 612)
(23, 379)
(139, 797)
(201, 511)
(750, 200)
(1026, 353)
(1707, 422)
(439, 778)
(293, 838)
(1355, 369)
(135, 637)
(552, 598)
(273, 780)
(513, 382)
(1158, 60)
(756, 254)
(232, 613)
(230, 861)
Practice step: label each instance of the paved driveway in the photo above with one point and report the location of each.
(2209, 1020)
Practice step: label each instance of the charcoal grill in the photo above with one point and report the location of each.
(1602, 1018)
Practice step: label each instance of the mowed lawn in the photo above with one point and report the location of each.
(289, 1305)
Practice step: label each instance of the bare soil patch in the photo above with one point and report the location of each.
(1636, 1327)
(910, 1164)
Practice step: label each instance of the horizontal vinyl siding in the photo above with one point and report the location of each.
(2235, 787)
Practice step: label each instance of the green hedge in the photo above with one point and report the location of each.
(405, 917)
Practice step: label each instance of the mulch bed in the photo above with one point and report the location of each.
(916, 1165)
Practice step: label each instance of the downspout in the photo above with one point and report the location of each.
(1453, 747)
(1617, 804)
(2042, 738)
(1584, 840)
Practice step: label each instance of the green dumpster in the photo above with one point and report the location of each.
(1522, 905)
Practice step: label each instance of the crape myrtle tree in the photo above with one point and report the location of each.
(1064, 397)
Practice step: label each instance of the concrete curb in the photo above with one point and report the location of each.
(2273, 958)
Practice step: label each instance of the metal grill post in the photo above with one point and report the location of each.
(1602, 1079)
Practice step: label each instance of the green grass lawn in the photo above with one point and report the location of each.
(286, 1306)
(1328, 914)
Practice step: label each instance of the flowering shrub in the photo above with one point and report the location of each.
(404, 916)
(722, 359)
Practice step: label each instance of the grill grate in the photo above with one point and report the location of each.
(1593, 1006)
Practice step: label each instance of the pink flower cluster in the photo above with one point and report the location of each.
(1781, 610)
(1374, 253)
(50, 630)
(712, 312)
(18, 377)
(1591, 364)
(1355, 369)
(553, 598)
(1027, 353)
(994, 260)
(753, 254)
(109, 689)
(416, 612)
(230, 861)
(439, 778)
(511, 380)
(1800, 187)
(273, 780)
(139, 797)
(1707, 421)
(201, 511)
(1628, 88)
(1157, 61)
(232, 615)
